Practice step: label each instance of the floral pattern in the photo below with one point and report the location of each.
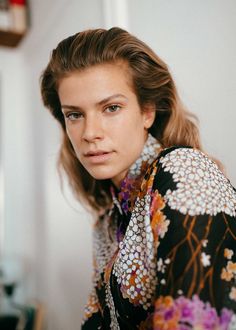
(183, 313)
(135, 265)
(130, 186)
(201, 186)
(164, 253)
(229, 273)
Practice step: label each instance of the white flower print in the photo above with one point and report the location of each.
(201, 187)
(205, 242)
(232, 294)
(205, 259)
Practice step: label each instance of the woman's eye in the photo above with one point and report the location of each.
(113, 108)
(72, 116)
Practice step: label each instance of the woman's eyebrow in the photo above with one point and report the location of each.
(70, 107)
(65, 108)
(103, 101)
(109, 98)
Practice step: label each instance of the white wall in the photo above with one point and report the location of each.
(52, 233)
(64, 234)
(16, 150)
(197, 40)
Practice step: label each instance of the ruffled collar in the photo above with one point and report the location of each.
(125, 197)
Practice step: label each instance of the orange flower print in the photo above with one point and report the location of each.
(146, 186)
(159, 225)
(91, 307)
(229, 272)
(231, 267)
(225, 275)
(166, 316)
(228, 253)
(164, 302)
(157, 202)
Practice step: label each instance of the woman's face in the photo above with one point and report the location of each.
(104, 121)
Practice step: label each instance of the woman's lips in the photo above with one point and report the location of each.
(98, 156)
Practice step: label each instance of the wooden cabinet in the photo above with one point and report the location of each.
(9, 38)
(13, 22)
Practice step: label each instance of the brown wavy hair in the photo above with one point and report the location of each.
(152, 82)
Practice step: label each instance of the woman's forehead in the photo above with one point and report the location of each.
(114, 73)
(96, 83)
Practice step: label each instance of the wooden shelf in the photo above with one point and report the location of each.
(10, 38)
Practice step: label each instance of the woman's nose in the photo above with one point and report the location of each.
(92, 129)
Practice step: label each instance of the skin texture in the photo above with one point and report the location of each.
(104, 120)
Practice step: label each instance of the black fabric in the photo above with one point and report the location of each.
(194, 249)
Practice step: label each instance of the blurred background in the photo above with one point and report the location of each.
(47, 232)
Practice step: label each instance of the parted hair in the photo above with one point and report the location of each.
(152, 83)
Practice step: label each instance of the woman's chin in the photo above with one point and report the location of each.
(100, 175)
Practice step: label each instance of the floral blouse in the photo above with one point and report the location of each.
(165, 252)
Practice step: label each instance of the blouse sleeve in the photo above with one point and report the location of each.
(92, 318)
(196, 250)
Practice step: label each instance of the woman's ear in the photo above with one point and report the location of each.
(149, 113)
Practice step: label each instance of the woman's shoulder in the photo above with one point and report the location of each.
(190, 164)
(193, 183)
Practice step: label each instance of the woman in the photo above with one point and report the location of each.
(165, 238)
